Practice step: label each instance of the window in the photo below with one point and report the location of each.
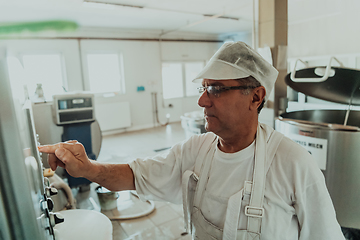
(172, 80)
(177, 79)
(105, 72)
(192, 69)
(17, 78)
(44, 69)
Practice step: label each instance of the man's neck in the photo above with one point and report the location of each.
(237, 141)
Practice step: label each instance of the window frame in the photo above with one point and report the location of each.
(183, 72)
(64, 82)
(86, 79)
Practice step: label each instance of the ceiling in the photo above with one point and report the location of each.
(161, 17)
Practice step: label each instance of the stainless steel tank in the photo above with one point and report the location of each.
(339, 146)
(331, 136)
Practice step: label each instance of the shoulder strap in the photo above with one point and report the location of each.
(269, 146)
(273, 144)
(202, 168)
(203, 151)
(190, 182)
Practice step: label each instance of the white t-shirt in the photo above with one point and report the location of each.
(236, 168)
(296, 201)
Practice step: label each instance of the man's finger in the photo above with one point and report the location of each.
(52, 148)
(54, 162)
(60, 153)
(49, 148)
(52, 159)
(65, 155)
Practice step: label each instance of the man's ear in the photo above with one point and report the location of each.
(258, 95)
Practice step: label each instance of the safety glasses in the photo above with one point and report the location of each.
(217, 90)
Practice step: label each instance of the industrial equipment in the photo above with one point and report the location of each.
(331, 136)
(75, 113)
(193, 123)
(70, 108)
(25, 203)
(26, 206)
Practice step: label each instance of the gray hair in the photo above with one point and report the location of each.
(252, 83)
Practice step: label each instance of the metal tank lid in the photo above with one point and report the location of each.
(335, 84)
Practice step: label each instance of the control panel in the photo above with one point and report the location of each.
(25, 194)
(40, 188)
(72, 108)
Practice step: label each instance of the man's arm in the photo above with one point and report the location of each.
(71, 156)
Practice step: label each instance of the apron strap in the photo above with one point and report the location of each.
(204, 149)
(189, 182)
(265, 150)
(232, 216)
(273, 145)
(205, 163)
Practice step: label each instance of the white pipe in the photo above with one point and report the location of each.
(58, 183)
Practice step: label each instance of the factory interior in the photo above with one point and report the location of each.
(116, 75)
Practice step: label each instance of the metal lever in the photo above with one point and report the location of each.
(324, 78)
(50, 204)
(50, 191)
(55, 218)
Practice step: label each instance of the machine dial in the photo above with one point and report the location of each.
(50, 204)
(56, 218)
(50, 191)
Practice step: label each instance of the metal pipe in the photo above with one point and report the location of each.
(154, 94)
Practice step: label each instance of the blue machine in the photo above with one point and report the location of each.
(75, 113)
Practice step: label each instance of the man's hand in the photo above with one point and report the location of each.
(69, 155)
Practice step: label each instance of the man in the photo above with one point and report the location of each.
(242, 179)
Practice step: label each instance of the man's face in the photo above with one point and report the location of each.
(228, 112)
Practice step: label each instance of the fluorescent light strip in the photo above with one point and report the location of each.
(116, 4)
(225, 17)
(109, 4)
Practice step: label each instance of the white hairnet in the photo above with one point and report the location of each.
(237, 60)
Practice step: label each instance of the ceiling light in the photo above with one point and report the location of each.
(225, 17)
(96, 3)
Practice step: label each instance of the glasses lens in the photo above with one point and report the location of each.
(214, 90)
(201, 89)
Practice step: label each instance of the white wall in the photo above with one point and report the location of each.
(184, 51)
(328, 29)
(335, 32)
(142, 67)
(68, 48)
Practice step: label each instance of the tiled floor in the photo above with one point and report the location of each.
(166, 221)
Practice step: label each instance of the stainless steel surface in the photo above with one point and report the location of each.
(193, 123)
(342, 173)
(340, 88)
(107, 199)
(325, 116)
(20, 197)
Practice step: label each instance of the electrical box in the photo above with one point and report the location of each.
(72, 108)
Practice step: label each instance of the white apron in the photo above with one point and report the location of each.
(194, 183)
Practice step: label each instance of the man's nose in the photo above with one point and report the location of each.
(204, 100)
